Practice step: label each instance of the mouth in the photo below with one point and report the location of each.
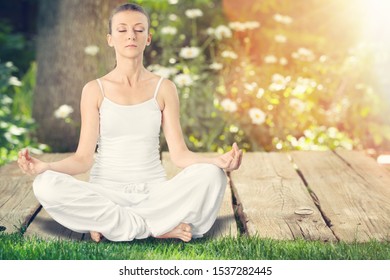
(131, 46)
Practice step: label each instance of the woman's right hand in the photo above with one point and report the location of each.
(30, 165)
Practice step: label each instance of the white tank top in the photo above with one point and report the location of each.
(129, 142)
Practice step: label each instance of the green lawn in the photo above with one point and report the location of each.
(15, 246)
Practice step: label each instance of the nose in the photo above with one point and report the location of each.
(131, 35)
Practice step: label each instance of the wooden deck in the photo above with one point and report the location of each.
(327, 196)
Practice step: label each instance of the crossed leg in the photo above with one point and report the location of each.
(182, 231)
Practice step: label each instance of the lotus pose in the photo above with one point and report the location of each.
(128, 195)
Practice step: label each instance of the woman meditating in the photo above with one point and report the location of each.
(128, 195)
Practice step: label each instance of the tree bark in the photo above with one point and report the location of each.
(65, 28)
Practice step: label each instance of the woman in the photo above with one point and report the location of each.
(128, 195)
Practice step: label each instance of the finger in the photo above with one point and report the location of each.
(228, 163)
(239, 163)
(27, 153)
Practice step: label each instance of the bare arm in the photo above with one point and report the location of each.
(178, 150)
(82, 160)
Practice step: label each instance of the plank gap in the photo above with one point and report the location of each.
(314, 197)
(30, 219)
(239, 215)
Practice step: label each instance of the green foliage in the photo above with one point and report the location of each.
(292, 88)
(183, 51)
(16, 124)
(16, 247)
(280, 81)
(15, 47)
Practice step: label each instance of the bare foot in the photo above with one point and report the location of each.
(182, 231)
(96, 236)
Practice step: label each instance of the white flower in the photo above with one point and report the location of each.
(216, 66)
(299, 90)
(297, 104)
(233, 128)
(63, 111)
(189, 52)
(9, 64)
(162, 71)
(278, 82)
(242, 26)
(210, 31)
(283, 61)
(250, 87)
(183, 80)
(257, 116)
(229, 54)
(280, 38)
(303, 85)
(14, 81)
(169, 30)
(252, 25)
(14, 130)
(238, 26)
(193, 13)
(303, 54)
(172, 17)
(228, 105)
(270, 59)
(91, 50)
(283, 19)
(260, 93)
(222, 31)
(5, 100)
(173, 2)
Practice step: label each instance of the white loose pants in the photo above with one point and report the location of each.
(128, 211)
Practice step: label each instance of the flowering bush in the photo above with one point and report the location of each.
(16, 124)
(184, 51)
(289, 88)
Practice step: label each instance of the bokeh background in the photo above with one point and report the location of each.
(271, 75)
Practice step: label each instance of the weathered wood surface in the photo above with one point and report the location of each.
(17, 201)
(353, 191)
(328, 196)
(275, 200)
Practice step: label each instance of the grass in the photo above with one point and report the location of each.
(17, 247)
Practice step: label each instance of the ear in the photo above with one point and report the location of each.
(109, 40)
(149, 40)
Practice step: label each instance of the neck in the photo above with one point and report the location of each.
(130, 70)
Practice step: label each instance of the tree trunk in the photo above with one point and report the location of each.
(65, 28)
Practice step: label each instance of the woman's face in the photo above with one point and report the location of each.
(129, 35)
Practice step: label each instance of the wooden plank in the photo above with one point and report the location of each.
(17, 201)
(225, 225)
(353, 193)
(275, 200)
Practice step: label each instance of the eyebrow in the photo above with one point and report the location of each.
(139, 23)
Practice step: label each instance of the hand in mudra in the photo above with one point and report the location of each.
(231, 160)
(30, 165)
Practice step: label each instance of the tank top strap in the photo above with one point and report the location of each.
(101, 86)
(158, 86)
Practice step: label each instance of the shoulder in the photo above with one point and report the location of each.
(91, 86)
(168, 88)
(92, 93)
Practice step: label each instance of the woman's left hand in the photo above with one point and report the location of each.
(231, 160)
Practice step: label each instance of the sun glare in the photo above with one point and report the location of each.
(377, 19)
